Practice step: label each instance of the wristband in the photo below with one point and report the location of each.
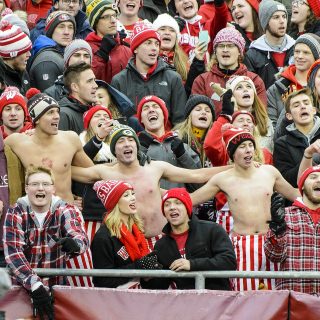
(307, 157)
(97, 142)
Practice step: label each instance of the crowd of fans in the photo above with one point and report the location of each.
(159, 134)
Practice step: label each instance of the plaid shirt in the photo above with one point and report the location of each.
(28, 246)
(297, 250)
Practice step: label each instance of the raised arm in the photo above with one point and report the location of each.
(306, 161)
(80, 159)
(282, 186)
(86, 175)
(175, 174)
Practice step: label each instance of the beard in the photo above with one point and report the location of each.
(310, 197)
(274, 33)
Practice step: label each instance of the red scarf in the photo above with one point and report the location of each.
(134, 242)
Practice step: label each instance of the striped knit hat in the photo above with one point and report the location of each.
(95, 9)
(13, 41)
(55, 18)
(312, 41)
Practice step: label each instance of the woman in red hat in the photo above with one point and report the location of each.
(305, 18)
(246, 19)
(120, 242)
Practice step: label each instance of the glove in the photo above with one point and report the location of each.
(181, 22)
(69, 245)
(227, 104)
(149, 262)
(277, 223)
(42, 303)
(143, 158)
(107, 44)
(122, 34)
(218, 3)
(177, 147)
(145, 139)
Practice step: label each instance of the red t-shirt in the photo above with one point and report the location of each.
(181, 239)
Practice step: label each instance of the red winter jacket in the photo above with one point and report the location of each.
(190, 33)
(26, 126)
(118, 58)
(201, 84)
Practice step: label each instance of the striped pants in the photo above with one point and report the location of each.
(251, 257)
(225, 219)
(83, 261)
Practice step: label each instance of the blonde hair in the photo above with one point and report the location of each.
(180, 61)
(31, 170)
(186, 134)
(260, 114)
(113, 222)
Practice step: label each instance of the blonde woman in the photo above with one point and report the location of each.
(120, 242)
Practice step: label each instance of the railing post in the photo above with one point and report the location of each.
(200, 281)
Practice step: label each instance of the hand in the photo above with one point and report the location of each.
(122, 34)
(107, 44)
(277, 223)
(149, 262)
(42, 303)
(69, 245)
(103, 129)
(180, 264)
(227, 104)
(181, 22)
(177, 147)
(143, 158)
(145, 139)
(29, 132)
(200, 50)
(313, 148)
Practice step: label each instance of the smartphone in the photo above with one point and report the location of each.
(204, 36)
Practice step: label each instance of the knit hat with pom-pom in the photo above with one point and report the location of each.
(39, 103)
(11, 95)
(13, 19)
(13, 41)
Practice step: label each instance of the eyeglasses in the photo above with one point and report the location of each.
(299, 3)
(38, 184)
(226, 46)
(109, 17)
(68, 2)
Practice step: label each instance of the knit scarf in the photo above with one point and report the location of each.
(134, 242)
(199, 133)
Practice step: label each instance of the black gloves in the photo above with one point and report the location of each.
(69, 245)
(277, 223)
(143, 158)
(145, 139)
(42, 303)
(218, 3)
(107, 44)
(150, 262)
(177, 147)
(181, 22)
(122, 34)
(227, 104)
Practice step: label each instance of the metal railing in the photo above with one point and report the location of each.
(199, 276)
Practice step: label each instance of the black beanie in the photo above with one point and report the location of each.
(196, 99)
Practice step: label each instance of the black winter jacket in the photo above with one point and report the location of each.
(14, 78)
(108, 252)
(289, 149)
(164, 83)
(152, 8)
(258, 59)
(71, 115)
(208, 247)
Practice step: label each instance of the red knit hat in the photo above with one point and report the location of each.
(180, 194)
(142, 32)
(157, 100)
(237, 113)
(233, 137)
(305, 175)
(109, 192)
(12, 95)
(315, 7)
(13, 41)
(87, 116)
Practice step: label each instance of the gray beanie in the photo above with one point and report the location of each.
(312, 41)
(266, 10)
(75, 46)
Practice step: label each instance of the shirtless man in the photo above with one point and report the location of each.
(124, 145)
(248, 190)
(48, 146)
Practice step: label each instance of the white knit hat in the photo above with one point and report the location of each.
(234, 81)
(13, 41)
(165, 20)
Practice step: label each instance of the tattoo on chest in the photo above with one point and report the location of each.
(47, 162)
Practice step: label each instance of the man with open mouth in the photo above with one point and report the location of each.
(41, 231)
(249, 204)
